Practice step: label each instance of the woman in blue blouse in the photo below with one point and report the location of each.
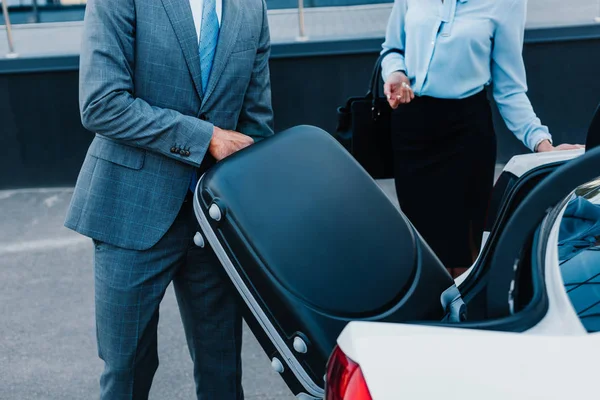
(443, 136)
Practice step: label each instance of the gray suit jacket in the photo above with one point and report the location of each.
(141, 93)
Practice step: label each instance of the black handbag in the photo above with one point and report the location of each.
(364, 127)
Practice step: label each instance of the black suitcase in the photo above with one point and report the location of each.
(311, 242)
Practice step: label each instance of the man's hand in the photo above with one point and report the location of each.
(397, 89)
(546, 146)
(224, 143)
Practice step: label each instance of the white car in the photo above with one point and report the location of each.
(532, 301)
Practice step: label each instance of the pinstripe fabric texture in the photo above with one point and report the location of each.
(141, 93)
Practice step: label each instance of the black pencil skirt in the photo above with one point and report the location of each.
(444, 160)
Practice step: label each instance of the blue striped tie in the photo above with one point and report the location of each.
(209, 36)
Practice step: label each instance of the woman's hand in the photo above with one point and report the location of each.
(397, 89)
(546, 146)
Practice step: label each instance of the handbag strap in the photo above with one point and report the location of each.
(376, 75)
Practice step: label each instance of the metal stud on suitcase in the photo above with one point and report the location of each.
(311, 242)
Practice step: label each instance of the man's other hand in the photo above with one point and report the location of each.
(224, 143)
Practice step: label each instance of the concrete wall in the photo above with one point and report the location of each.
(276, 4)
(42, 142)
(272, 4)
(22, 11)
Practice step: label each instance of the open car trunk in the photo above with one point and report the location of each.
(521, 175)
(312, 243)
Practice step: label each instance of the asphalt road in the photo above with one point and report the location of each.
(47, 331)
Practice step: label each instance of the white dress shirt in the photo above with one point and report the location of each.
(197, 6)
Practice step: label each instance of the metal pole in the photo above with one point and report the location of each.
(302, 36)
(36, 13)
(11, 47)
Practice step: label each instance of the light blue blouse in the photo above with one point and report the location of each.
(453, 49)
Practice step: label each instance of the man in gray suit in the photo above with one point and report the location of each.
(169, 87)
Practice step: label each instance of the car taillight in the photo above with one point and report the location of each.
(345, 380)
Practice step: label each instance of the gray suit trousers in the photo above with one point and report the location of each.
(130, 285)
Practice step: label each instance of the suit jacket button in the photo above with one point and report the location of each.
(204, 117)
(173, 149)
(187, 153)
(182, 152)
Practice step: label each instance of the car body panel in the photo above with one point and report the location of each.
(517, 167)
(402, 361)
(520, 164)
(554, 359)
(561, 318)
(421, 363)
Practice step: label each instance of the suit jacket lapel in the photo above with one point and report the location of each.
(182, 20)
(230, 25)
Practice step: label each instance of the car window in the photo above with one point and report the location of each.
(579, 253)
